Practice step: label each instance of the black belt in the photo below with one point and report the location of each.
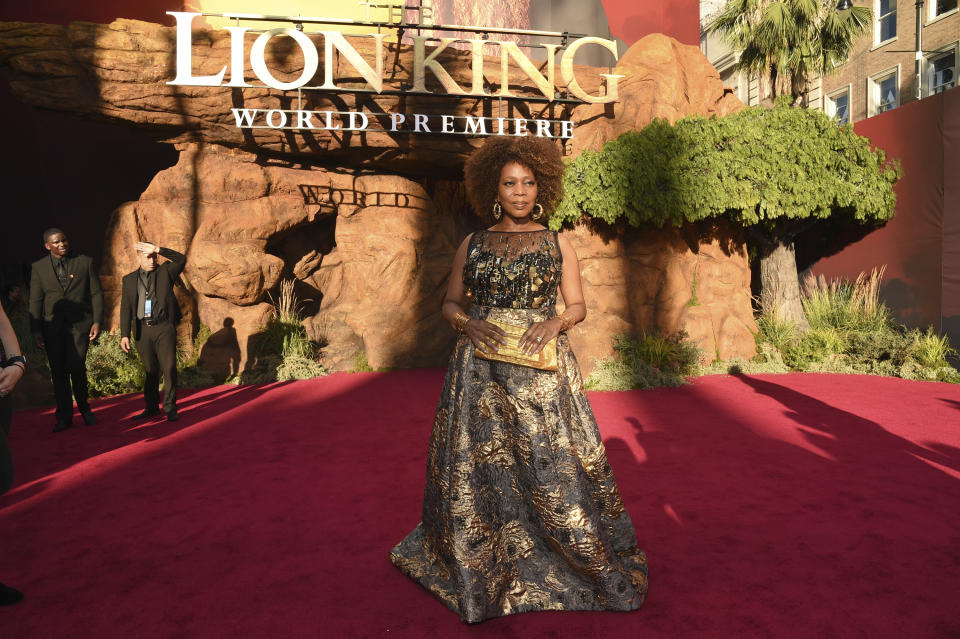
(153, 322)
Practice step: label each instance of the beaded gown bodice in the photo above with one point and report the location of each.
(513, 270)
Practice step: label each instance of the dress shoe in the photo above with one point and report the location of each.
(9, 596)
(89, 418)
(147, 413)
(172, 416)
(61, 425)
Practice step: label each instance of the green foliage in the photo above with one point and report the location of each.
(790, 41)
(647, 361)
(847, 306)
(297, 367)
(757, 167)
(110, 371)
(282, 350)
(932, 350)
(360, 365)
(694, 300)
(772, 330)
(851, 331)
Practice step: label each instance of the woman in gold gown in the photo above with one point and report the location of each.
(521, 511)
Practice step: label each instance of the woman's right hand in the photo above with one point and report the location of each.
(484, 335)
(9, 377)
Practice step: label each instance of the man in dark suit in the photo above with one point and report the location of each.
(148, 304)
(66, 309)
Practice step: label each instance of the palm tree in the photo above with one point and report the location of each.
(790, 41)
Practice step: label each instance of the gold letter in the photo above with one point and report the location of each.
(420, 64)
(335, 39)
(511, 50)
(310, 60)
(566, 70)
(477, 67)
(185, 75)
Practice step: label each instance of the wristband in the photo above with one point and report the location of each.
(460, 321)
(16, 359)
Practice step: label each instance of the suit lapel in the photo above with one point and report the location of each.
(51, 272)
(71, 272)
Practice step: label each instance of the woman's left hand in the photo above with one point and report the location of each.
(537, 336)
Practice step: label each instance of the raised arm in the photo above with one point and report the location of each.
(177, 260)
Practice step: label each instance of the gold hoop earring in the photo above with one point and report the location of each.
(538, 211)
(497, 210)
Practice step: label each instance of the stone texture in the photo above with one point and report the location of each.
(663, 79)
(370, 250)
(394, 259)
(226, 350)
(647, 280)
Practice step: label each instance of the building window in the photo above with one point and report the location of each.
(884, 92)
(886, 26)
(941, 71)
(838, 106)
(940, 7)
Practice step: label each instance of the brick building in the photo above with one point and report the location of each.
(880, 74)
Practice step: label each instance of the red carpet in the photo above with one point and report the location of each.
(770, 506)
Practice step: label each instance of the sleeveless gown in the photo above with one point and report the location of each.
(521, 511)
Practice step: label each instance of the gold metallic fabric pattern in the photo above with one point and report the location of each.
(513, 270)
(521, 511)
(545, 360)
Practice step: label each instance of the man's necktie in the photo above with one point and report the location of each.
(62, 274)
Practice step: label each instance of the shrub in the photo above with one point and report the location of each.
(932, 350)
(282, 350)
(647, 361)
(110, 371)
(846, 306)
(360, 364)
(851, 331)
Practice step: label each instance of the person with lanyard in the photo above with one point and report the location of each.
(66, 310)
(149, 306)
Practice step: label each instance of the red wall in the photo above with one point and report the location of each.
(630, 20)
(920, 245)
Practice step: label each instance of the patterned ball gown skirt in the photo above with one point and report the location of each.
(521, 511)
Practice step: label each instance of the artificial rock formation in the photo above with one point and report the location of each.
(368, 248)
(369, 253)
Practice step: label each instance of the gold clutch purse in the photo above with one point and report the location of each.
(545, 360)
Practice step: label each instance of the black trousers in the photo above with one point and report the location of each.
(6, 459)
(67, 353)
(157, 347)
